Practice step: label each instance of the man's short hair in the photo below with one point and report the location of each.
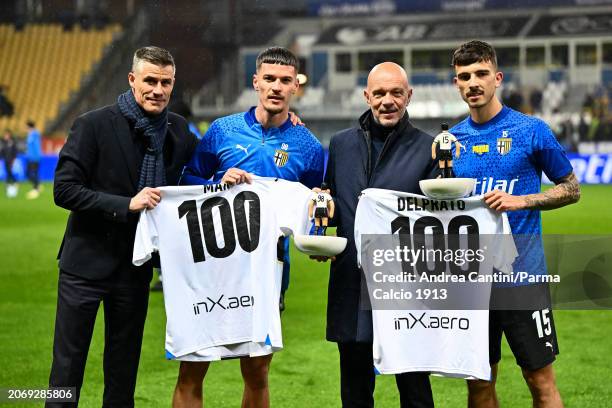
(474, 51)
(277, 55)
(154, 55)
(30, 123)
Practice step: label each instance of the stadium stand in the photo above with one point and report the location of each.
(312, 98)
(246, 99)
(42, 65)
(547, 71)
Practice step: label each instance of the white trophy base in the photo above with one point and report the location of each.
(319, 245)
(447, 188)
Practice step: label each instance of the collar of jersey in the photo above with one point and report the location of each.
(502, 114)
(251, 120)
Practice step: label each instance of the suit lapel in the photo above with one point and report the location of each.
(125, 139)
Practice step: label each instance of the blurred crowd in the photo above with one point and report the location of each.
(591, 122)
(597, 107)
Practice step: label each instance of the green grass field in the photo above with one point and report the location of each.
(306, 373)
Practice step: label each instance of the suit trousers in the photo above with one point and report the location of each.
(125, 297)
(357, 380)
(8, 169)
(32, 172)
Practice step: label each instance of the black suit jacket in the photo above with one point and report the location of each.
(96, 177)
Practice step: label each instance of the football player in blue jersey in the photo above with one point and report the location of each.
(507, 152)
(262, 141)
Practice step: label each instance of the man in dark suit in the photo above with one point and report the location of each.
(384, 151)
(107, 173)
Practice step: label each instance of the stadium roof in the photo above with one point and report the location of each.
(408, 30)
(573, 25)
(357, 33)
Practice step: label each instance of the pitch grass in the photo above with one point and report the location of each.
(306, 373)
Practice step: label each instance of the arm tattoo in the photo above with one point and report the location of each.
(567, 191)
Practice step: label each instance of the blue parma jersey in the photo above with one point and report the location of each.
(509, 153)
(289, 152)
(33, 147)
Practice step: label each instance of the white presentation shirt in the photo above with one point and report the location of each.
(218, 252)
(451, 343)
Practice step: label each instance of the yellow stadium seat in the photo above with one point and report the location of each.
(43, 65)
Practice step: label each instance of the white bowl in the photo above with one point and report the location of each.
(319, 245)
(447, 188)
